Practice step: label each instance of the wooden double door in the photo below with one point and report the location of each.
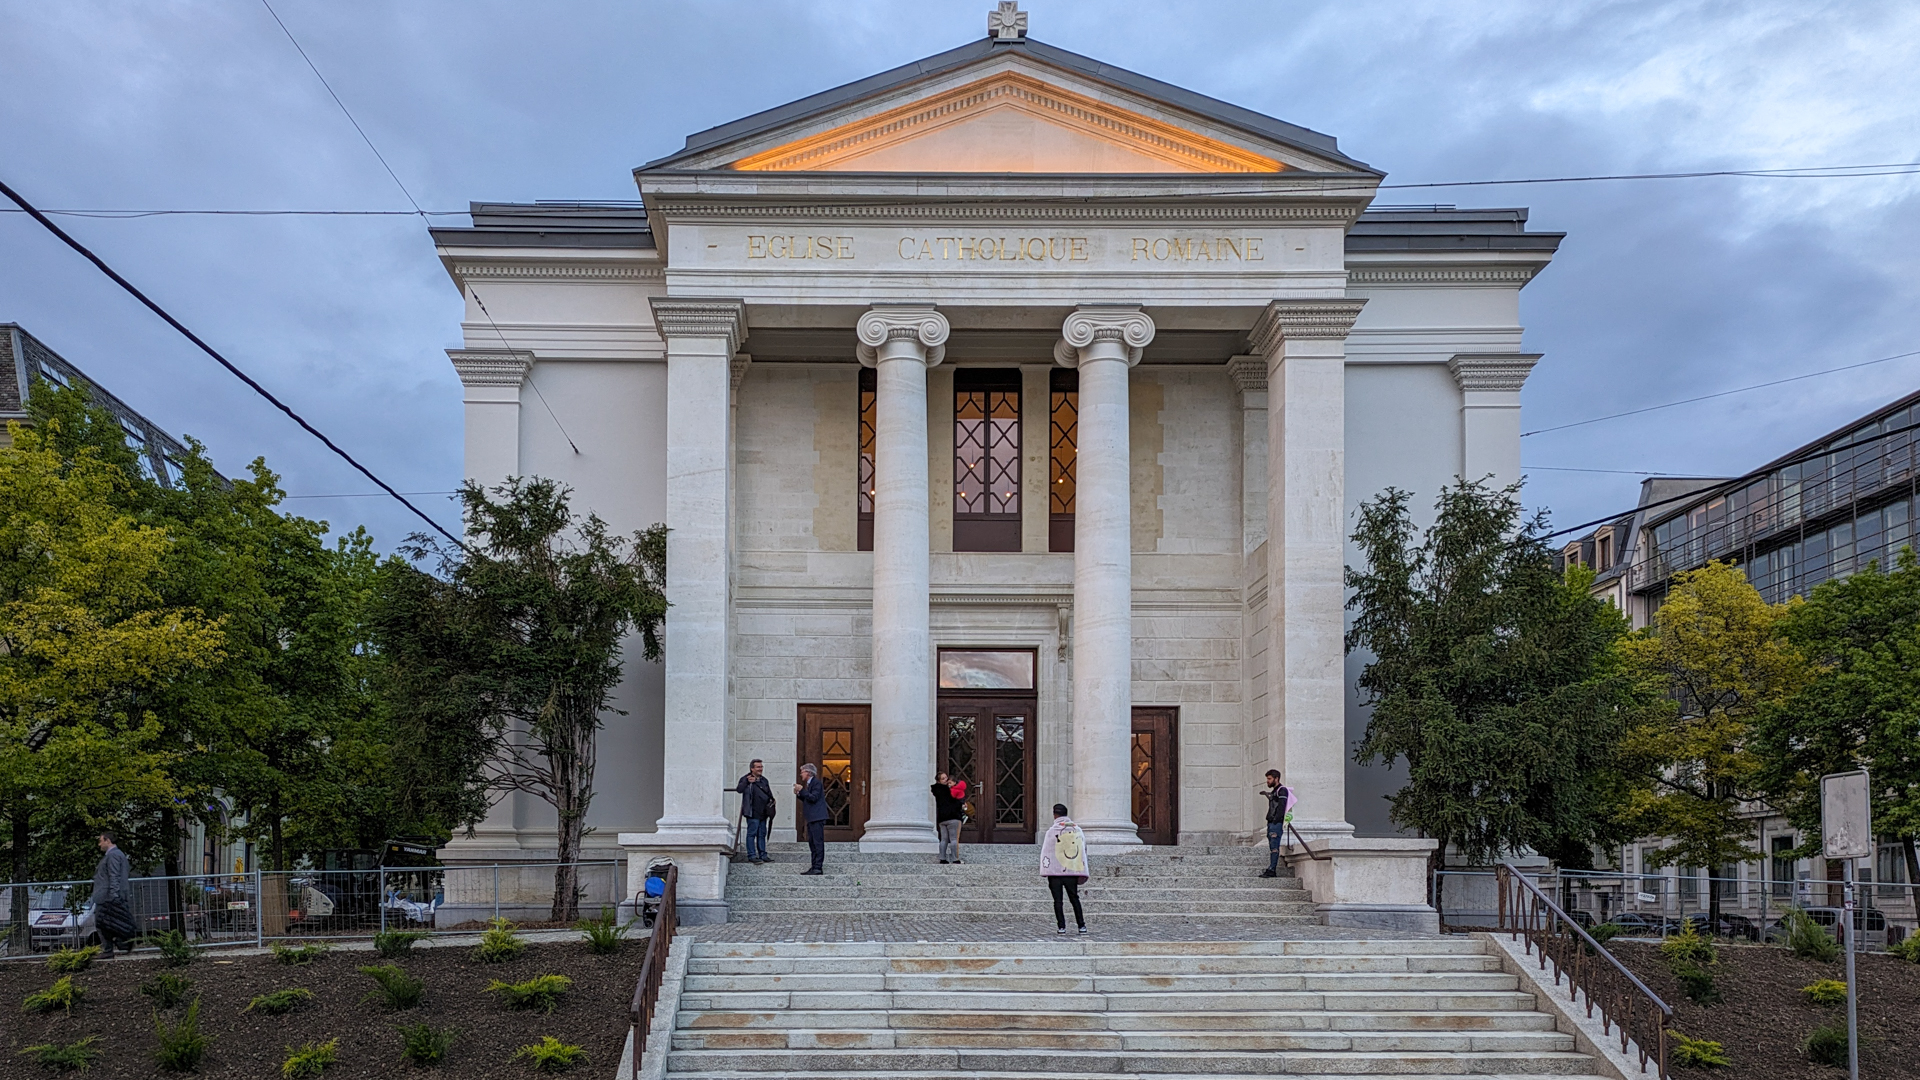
(988, 741)
(839, 739)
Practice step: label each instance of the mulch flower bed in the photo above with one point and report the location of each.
(1765, 1018)
(593, 1014)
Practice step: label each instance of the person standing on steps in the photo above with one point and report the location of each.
(949, 807)
(112, 891)
(1279, 816)
(757, 805)
(813, 811)
(1063, 862)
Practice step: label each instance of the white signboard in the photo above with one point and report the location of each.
(1846, 822)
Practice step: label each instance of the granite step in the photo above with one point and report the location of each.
(788, 1062)
(1113, 1020)
(1101, 965)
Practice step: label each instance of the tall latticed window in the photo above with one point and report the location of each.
(1063, 435)
(986, 460)
(863, 540)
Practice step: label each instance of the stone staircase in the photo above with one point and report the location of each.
(1101, 1010)
(1003, 880)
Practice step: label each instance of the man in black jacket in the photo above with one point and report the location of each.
(112, 891)
(1279, 813)
(757, 806)
(813, 811)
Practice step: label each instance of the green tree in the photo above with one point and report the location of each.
(1717, 660)
(513, 651)
(1490, 674)
(1861, 712)
(85, 636)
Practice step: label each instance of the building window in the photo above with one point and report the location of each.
(986, 460)
(1781, 866)
(1603, 551)
(1063, 438)
(863, 539)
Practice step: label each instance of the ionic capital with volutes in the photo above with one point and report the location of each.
(1296, 320)
(1123, 325)
(917, 323)
(681, 317)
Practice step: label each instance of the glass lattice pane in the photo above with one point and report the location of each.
(1064, 438)
(836, 776)
(1010, 770)
(986, 452)
(960, 748)
(867, 407)
(1143, 779)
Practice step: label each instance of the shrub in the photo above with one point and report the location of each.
(175, 949)
(604, 933)
(1808, 939)
(1697, 983)
(1699, 1053)
(499, 943)
(1606, 932)
(1826, 992)
(394, 944)
(64, 1058)
(398, 990)
(425, 1046)
(280, 1002)
(183, 1045)
(62, 996)
(1827, 1045)
(1908, 949)
(65, 961)
(167, 989)
(299, 955)
(311, 1059)
(541, 992)
(1687, 947)
(552, 1055)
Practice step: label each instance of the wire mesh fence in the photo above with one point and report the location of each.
(263, 906)
(1741, 909)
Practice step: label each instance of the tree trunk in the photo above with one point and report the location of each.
(573, 767)
(21, 836)
(170, 866)
(275, 835)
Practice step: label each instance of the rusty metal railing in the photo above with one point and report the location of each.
(646, 993)
(1623, 1000)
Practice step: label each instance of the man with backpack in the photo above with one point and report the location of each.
(757, 806)
(1279, 816)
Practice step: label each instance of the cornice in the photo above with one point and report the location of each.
(962, 214)
(1302, 319)
(1249, 373)
(491, 367)
(700, 318)
(546, 271)
(1441, 275)
(1492, 371)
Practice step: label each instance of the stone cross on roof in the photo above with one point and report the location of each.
(1007, 22)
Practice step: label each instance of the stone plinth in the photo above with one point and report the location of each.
(1376, 883)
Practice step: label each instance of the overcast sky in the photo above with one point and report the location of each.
(1662, 289)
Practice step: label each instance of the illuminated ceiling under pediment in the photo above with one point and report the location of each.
(1009, 123)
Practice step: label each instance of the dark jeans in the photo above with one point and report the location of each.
(1070, 888)
(757, 837)
(817, 843)
(1276, 834)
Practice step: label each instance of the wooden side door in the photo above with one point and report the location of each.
(837, 738)
(1156, 769)
(989, 743)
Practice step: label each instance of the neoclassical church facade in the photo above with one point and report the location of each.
(1009, 411)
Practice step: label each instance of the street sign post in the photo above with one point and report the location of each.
(1846, 834)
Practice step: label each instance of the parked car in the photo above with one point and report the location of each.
(1728, 925)
(1872, 923)
(54, 919)
(1635, 923)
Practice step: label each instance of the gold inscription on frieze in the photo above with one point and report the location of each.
(1197, 249)
(1063, 249)
(785, 246)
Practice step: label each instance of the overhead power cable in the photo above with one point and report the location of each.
(223, 361)
(1721, 393)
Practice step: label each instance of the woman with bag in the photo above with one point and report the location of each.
(1063, 862)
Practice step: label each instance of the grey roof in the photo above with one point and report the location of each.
(1445, 228)
(26, 358)
(1247, 120)
(550, 224)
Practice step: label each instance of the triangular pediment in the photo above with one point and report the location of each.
(1008, 123)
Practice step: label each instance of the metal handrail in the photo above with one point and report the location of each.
(1624, 1001)
(646, 993)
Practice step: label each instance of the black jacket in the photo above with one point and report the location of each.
(813, 802)
(756, 797)
(1277, 805)
(945, 806)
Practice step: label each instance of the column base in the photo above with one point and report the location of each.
(1111, 837)
(700, 894)
(1372, 883)
(1311, 830)
(899, 836)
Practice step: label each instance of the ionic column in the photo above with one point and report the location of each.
(1490, 413)
(900, 342)
(1304, 343)
(701, 336)
(1103, 343)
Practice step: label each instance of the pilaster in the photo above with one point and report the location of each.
(490, 380)
(1490, 386)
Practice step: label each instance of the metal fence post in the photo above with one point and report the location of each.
(496, 890)
(259, 909)
(383, 899)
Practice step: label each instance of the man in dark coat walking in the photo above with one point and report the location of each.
(112, 891)
(813, 811)
(757, 805)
